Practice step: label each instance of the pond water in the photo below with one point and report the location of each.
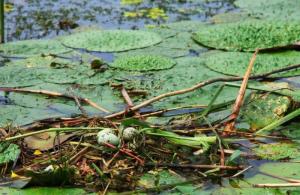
(27, 19)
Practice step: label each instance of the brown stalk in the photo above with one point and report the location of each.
(198, 86)
(129, 101)
(55, 94)
(195, 166)
(230, 126)
(276, 185)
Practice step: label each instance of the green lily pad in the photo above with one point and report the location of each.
(184, 26)
(8, 152)
(230, 17)
(277, 151)
(292, 131)
(187, 72)
(143, 63)
(261, 110)
(271, 9)
(249, 35)
(111, 40)
(44, 190)
(236, 63)
(32, 47)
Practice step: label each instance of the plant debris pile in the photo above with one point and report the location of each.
(159, 110)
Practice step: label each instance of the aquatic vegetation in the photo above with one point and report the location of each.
(261, 110)
(277, 151)
(143, 63)
(270, 10)
(111, 40)
(131, 2)
(249, 35)
(32, 47)
(236, 63)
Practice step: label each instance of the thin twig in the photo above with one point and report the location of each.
(240, 98)
(50, 130)
(195, 166)
(241, 172)
(54, 94)
(129, 101)
(276, 185)
(281, 178)
(198, 86)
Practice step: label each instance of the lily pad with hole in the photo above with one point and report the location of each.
(236, 63)
(32, 47)
(143, 63)
(249, 35)
(111, 40)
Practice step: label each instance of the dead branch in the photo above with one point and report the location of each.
(54, 94)
(198, 86)
(240, 98)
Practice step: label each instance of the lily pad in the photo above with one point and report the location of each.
(143, 63)
(32, 47)
(111, 40)
(230, 17)
(271, 9)
(8, 152)
(249, 35)
(44, 190)
(261, 110)
(277, 151)
(236, 63)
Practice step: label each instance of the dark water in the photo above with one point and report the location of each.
(48, 18)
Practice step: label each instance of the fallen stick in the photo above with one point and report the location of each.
(198, 86)
(195, 166)
(276, 185)
(55, 94)
(240, 98)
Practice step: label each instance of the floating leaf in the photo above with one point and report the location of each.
(230, 17)
(249, 35)
(261, 110)
(271, 9)
(32, 47)
(111, 40)
(143, 63)
(44, 190)
(8, 152)
(236, 63)
(277, 151)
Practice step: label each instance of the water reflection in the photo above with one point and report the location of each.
(44, 18)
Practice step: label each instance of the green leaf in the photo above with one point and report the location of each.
(277, 151)
(32, 47)
(111, 40)
(249, 35)
(271, 9)
(236, 63)
(43, 191)
(143, 63)
(261, 110)
(8, 152)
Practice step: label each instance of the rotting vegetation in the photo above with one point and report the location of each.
(154, 119)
